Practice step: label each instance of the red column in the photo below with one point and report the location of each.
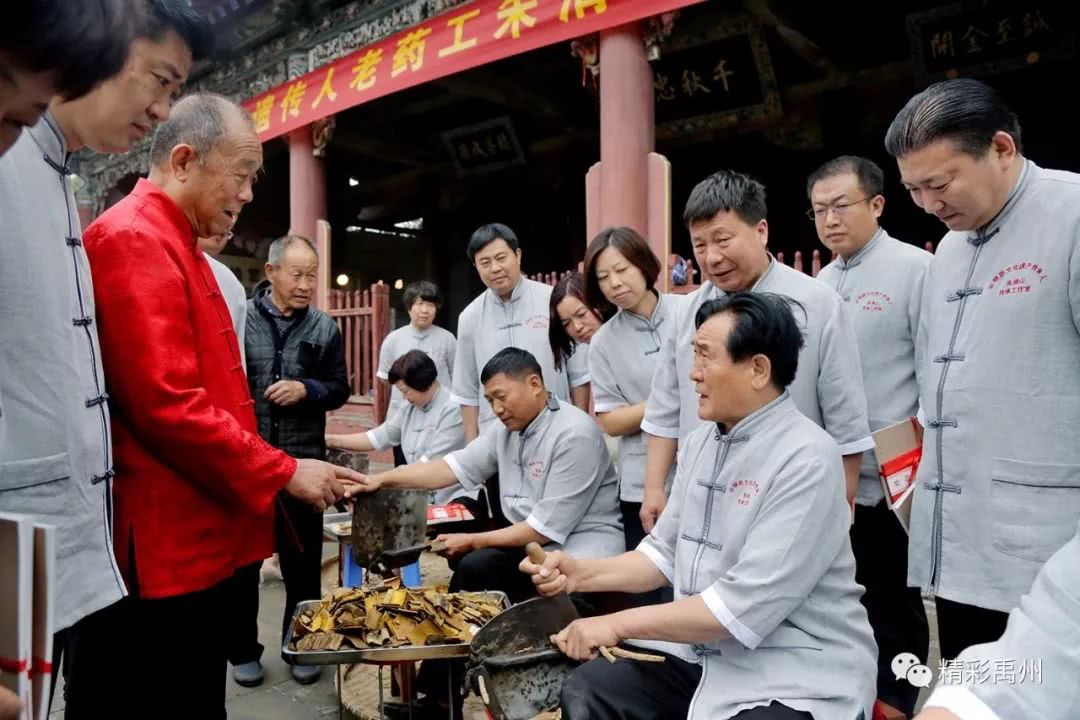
(629, 186)
(380, 328)
(307, 194)
(626, 128)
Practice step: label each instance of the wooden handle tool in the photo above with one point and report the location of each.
(537, 556)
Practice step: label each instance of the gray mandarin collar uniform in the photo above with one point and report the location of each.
(622, 356)
(232, 290)
(999, 485)
(1044, 629)
(489, 324)
(881, 286)
(425, 434)
(556, 475)
(439, 344)
(828, 386)
(56, 461)
(757, 524)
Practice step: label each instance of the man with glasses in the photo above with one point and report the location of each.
(880, 280)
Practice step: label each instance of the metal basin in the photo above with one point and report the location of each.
(522, 673)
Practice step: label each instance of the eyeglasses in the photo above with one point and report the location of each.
(840, 210)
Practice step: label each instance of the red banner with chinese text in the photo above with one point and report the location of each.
(472, 34)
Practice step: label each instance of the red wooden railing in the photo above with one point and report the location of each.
(363, 317)
(549, 277)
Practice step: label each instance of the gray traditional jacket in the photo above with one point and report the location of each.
(757, 525)
(55, 446)
(881, 286)
(998, 490)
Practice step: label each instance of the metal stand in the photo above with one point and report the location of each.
(340, 689)
(450, 694)
(382, 703)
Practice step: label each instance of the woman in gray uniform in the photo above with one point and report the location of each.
(621, 271)
(570, 330)
(573, 323)
(426, 428)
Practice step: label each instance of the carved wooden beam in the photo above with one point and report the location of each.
(762, 11)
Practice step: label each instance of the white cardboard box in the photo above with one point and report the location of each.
(16, 605)
(44, 620)
(899, 450)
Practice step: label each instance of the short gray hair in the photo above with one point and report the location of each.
(279, 247)
(198, 120)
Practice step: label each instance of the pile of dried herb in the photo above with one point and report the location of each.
(391, 616)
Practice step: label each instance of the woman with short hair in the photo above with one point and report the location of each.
(422, 301)
(426, 428)
(621, 271)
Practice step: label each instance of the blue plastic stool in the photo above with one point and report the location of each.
(352, 575)
(410, 575)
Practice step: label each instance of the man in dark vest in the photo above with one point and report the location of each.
(296, 370)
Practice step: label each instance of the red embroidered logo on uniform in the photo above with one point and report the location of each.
(873, 301)
(535, 468)
(540, 322)
(744, 490)
(1017, 279)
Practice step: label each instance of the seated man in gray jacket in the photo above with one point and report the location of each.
(755, 543)
(558, 489)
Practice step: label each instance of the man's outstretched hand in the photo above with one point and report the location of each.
(321, 484)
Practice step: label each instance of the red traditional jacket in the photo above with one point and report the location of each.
(195, 484)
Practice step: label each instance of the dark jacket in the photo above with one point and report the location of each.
(310, 351)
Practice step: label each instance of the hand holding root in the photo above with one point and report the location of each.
(575, 642)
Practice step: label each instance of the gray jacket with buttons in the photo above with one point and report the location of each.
(998, 490)
(55, 443)
(881, 286)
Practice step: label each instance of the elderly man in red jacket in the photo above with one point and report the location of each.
(194, 482)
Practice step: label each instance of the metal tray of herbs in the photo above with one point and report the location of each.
(378, 655)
